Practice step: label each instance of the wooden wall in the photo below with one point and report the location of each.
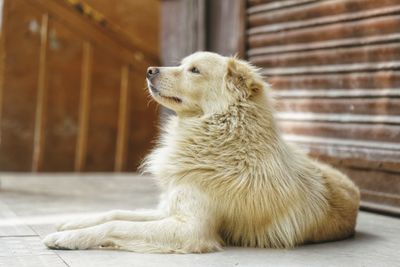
(73, 92)
(334, 66)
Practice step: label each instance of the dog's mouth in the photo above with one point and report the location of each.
(171, 98)
(155, 91)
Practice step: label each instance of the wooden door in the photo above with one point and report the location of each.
(72, 95)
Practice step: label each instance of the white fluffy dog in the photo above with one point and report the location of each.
(226, 175)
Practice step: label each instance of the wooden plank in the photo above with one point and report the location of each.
(339, 68)
(366, 80)
(353, 29)
(324, 45)
(337, 93)
(334, 117)
(350, 55)
(65, 56)
(390, 146)
(258, 2)
(317, 10)
(369, 106)
(21, 38)
(353, 131)
(41, 100)
(3, 27)
(341, 18)
(276, 5)
(123, 120)
(103, 111)
(84, 106)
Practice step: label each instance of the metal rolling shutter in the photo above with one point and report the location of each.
(335, 68)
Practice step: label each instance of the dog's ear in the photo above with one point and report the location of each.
(243, 78)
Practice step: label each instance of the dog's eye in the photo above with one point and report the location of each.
(194, 70)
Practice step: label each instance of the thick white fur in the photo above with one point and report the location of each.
(226, 175)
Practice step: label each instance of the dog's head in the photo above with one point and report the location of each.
(204, 83)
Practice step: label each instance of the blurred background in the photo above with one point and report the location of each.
(72, 87)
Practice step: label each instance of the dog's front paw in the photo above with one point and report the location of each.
(57, 241)
(68, 240)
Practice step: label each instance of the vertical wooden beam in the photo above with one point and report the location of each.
(40, 115)
(84, 105)
(3, 21)
(226, 28)
(183, 29)
(120, 156)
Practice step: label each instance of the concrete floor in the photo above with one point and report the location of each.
(30, 205)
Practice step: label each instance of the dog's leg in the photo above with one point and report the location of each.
(113, 215)
(172, 234)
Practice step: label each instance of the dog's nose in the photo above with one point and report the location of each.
(152, 72)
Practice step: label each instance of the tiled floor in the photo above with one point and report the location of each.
(30, 205)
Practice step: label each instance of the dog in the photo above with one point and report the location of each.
(226, 175)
